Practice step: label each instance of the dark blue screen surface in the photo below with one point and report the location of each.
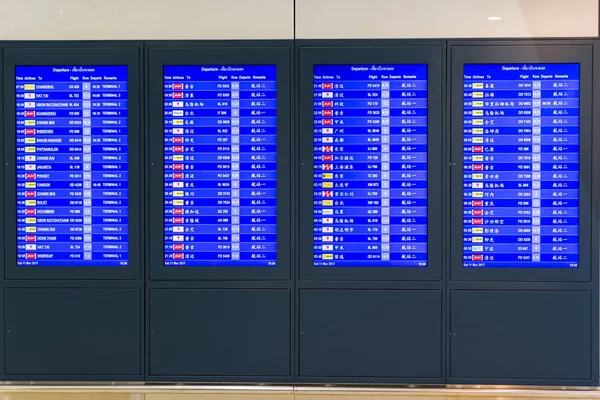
(521, 166)
(220, 166)
(72, 191)
(370, 166)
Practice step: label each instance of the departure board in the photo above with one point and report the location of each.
(521, 166)
(71, 168)
(220, 171)
(370, 165)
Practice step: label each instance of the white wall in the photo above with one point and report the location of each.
(274, 19)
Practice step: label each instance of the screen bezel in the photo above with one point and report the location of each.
(129, 57)
(543, 54)
(432, 56)
(157, 59)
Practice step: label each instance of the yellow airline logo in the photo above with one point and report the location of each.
(478, 113)
(476, 230)
(327, 256)
(30, 202)
(327, 185)
(478, 95)
(478, 86)
(476, 158)
(477, 239)
(477, 194)
(327, 176)
(477, 176)
(477, 103)
(30, 229)
(477, 122)
(30, 220)
(177, 202)
(477, 131)
(30, 140)
(327, 202)
(30, 185)
(477, 140)
(178, 193)
(29, 86)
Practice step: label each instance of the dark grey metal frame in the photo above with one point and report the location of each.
(80, 53)
(586, 278)
(249, 52)
(308, 53)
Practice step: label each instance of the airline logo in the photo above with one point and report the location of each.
(324, 95)
(323, 121)
(477, 103)
(476, 248)
(477, 239)
(30, 131)
(30, 247)
(327, 247)
(477, 213)
(29, 86)
(477, 131)
(29, 175)
(327, 238)
(178, 139)
(477, 85)
(178, 246)
(178, 157)
(177, 122)
(178, 256)
(178, 184)
(477, 122)
(327, 256)
(30, 193)
(30, 113)
(477, 185)
(178, 211)
(30, 229)
(477, 221)
(178, 220)
(478, 95)
(327, 157)
(477, 257)
(177, 131)
(30, 238)
(178, 229)
(178, 193)
(476, 176)
(327, 220)
(327, 175)
(30, 149)
(327, 113)
(327, 229)
(30, 211)
(327, 131)
(327, 139)
(29, 96)
(178, 95)
(476, 158)
(477, 149)
(29, 140)
(30, 220)
(477, 203)
(29, 167)
(30, 104)
(178, 238)
(30, 256)
(30, 185)
(30, 158)
(476, 194)
(178, 86)
(30, 202)
(327, 211)
(327, 193)
(178, 113)
(327, 103)
(328, 85)
(477, 113)
(178, 167)
(477, 167)
(327, 202)
(178, 149)
(327, 149)
(178, 104)
(327, 185)
(477, 140)
(327, 167)
(478, 231)
(178, 202)
(29, 122)
(177, 175)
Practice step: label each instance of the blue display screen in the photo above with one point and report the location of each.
(521, 166)
(220, 166)
(72, 190)
(370, 165)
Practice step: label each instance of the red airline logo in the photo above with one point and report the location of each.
(178, 86)
(30, 131)
(327, 113)
(177, 95)
(177, 149)
(477, 257)
(477, 203)
(29, 176)
(178, 256)
(178, 220)
(328, 157)
(327, 86)
(178, 246)
(477, 213)
(30, 256)
(30, 238)
(178, 167)
(30, 211)
(477, 149)
(178, 175)
(327, 122)
(30, 113)
(477, 167)
(29, 193)
(327, 103)
(477, 221)
(178, 211)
